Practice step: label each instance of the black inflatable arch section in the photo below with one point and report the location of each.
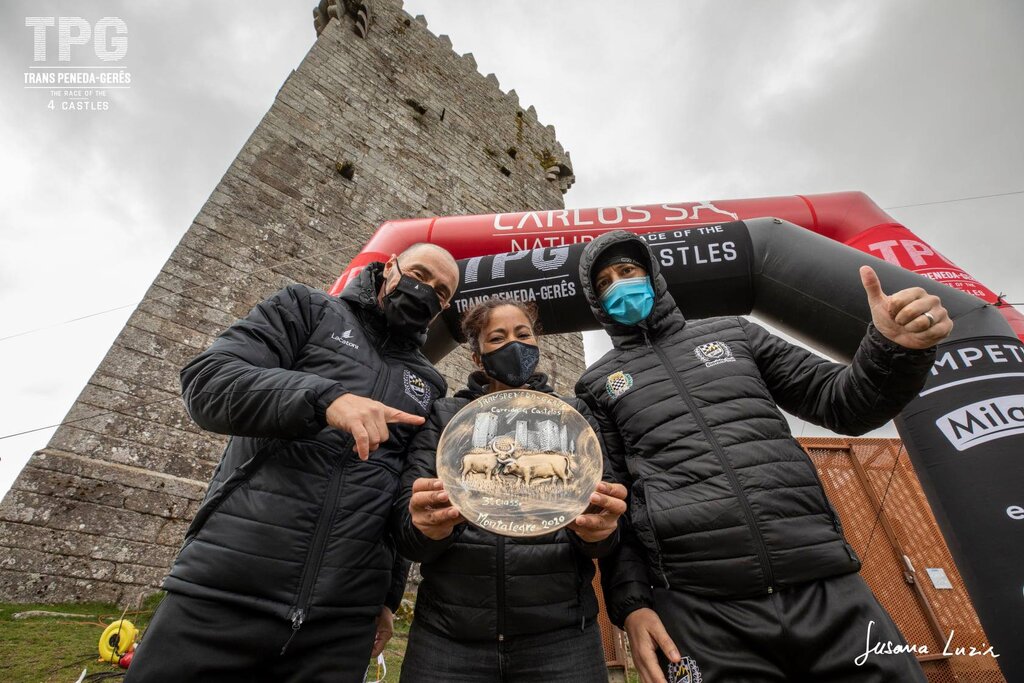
(796, 280)
(964, 432)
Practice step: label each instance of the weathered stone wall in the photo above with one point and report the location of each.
(99, 513)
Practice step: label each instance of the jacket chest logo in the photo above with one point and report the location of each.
(618, 383)
(417, 389)
(714, 353)
(345, 339)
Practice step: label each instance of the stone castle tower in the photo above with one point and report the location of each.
(381, 120)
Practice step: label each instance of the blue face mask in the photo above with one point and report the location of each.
(629, 301)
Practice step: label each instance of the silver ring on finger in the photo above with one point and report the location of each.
(931, 318)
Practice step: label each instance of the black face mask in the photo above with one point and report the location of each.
(512, 364)
(411, 306)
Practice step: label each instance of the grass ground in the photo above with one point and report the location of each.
(55, 650)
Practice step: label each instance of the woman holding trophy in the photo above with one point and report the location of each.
(516, 605)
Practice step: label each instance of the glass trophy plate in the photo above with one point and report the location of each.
(519, 462)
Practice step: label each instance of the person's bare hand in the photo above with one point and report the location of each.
(599, 520)
(431, 510)
(911, 317)
(385, 629)
(366, 420)
(646, 636)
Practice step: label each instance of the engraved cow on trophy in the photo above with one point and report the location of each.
(540, 467)
(497, 461)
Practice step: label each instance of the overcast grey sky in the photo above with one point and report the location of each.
(910, 102)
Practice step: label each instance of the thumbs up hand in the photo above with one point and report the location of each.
(911, 317)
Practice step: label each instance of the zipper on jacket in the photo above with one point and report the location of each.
(311, 568)
(654, 535)
(323, 523)
(298, 616)
(241, 474)
(762, 550)
(501, 588)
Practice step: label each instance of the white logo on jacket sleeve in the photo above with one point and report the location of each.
(686, 671)
(418, 390)
(618, 383)
(714, 353)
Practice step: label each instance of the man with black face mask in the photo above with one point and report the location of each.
(286, 572)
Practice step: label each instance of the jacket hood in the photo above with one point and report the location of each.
(362, 291)
(478, 384)
(665, 315)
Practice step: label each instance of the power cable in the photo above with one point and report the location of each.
(881, 504)
(241, 277)
(950, 201)
(88, 417)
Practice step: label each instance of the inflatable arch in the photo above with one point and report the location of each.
(798, 270)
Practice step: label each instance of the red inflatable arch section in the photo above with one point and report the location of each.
(847, 217)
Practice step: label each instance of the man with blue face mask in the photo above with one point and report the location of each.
(732, 564)
(626, 291)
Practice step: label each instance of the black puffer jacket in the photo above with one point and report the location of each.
(724, 502)
(478, 585)
(293, 522)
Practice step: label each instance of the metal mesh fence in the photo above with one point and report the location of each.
(886, 517)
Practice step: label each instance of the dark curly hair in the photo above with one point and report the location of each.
(477, 317)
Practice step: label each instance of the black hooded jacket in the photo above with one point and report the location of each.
(723, 500)
(293, 523)
(478, 585)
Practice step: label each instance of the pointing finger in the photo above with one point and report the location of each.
(396, 415)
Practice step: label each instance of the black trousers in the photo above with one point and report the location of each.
(567, 655)
(191, 639)
(817, 631)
